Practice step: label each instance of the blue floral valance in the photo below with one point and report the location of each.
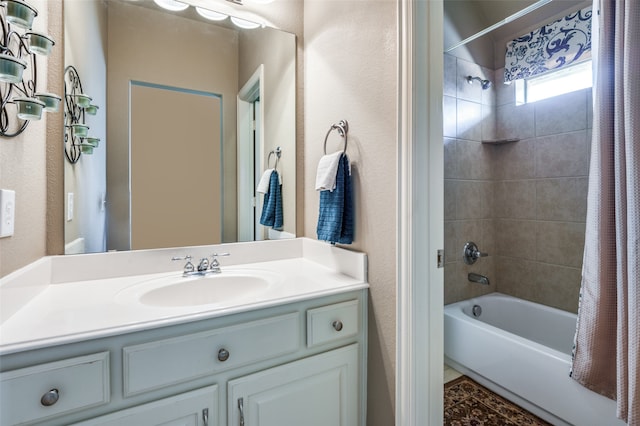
(555, 45)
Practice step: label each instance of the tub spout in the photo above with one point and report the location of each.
(477, 278)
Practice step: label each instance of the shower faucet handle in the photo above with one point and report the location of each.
(471, 254)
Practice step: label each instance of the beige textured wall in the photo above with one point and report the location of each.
(131, 56)
(351, 51)
(23, 169)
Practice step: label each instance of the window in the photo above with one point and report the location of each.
(554, 83)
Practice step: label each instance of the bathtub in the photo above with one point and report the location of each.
(522, 351)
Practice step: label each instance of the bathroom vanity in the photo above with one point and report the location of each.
(87, 347)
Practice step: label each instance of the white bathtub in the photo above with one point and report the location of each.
(522, 351)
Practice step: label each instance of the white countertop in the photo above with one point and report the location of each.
(65, 312)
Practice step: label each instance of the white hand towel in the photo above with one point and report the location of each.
(327, 171)
(263, 185)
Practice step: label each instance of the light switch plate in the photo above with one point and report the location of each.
(7, 212)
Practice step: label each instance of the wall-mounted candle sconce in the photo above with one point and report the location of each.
(20, 100)
(76, 104)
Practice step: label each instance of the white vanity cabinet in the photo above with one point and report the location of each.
(300, 363)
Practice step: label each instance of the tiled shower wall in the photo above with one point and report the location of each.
(469, 117)
(525, 202)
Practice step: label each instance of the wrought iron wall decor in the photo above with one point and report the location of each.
(20, 100)
(76, 105)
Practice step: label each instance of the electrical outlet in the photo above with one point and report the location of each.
(7, 212)
(69, 206)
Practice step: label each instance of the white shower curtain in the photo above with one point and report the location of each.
(607, 346)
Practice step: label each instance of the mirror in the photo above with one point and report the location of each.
(120, 46)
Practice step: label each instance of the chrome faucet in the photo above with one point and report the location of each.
(205, 266)
(477, 278)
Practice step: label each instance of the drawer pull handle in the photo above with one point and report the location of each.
(50, 398)
(241, 409)
(223, 355)
(337, 325)
(205, 416)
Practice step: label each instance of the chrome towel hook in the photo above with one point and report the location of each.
(343, 128)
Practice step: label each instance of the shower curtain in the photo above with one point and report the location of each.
(607, 345)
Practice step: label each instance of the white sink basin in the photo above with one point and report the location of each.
(179, 291)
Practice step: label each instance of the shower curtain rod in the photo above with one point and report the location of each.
(506, 20)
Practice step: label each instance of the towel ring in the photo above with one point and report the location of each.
(277, 153)
(343, 128)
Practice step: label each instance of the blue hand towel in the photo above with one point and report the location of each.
(272, 206)
(336, 217)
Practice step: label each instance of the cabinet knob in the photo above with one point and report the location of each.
(223, 355)
(50, 398)
(337, 325)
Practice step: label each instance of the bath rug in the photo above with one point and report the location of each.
(467, 403)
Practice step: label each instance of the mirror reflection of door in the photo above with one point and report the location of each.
(175, 167)
(251, 152)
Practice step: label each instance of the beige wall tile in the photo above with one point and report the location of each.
(450, 199)
(560, 243)
(515, 121)
(469, 120)
(514, 160)
(562, 199)
(561, 114)
(488, 122)
(516, 277)
(515, 199)
(516, 238)
(474, 160)
(557, 286)
(450, 159)
(450, 88)
(470, 199)
(505, 93)
(562, 155)
(449, 115)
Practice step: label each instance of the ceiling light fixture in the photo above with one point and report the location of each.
(172, 5)
(210, 14)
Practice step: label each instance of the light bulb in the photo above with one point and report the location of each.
(210, 14)
(172, 5)
(243, 23)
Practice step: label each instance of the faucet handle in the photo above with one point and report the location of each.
(471, 253)
(214, 262)
(188, 267)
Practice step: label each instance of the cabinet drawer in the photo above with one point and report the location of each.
(70, 385)
(163, 363)
(332, 322)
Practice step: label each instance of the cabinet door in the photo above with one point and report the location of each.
(321, 390)
(196, 408)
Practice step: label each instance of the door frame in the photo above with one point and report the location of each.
(420, 231)
(249, 204)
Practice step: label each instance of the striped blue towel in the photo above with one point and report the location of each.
(336, 217)
(272, 206)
